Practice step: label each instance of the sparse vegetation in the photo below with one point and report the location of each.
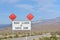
(16, 35)
(33, 39)
(48, 38)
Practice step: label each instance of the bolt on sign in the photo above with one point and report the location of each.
(21, 25)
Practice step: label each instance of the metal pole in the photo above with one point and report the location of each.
(12, 31)
(29, 35)
(31, 30)
(26, 37)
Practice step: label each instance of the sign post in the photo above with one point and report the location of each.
(30, 17)
(12, 17)
(21, 25)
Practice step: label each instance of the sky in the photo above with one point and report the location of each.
(41, 9)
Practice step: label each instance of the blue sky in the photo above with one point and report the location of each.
(41, 9)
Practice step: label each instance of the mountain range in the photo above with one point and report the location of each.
(49, 25)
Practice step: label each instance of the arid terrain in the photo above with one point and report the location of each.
(49, 25)
(39, 27)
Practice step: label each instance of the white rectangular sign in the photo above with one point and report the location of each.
(21, 25)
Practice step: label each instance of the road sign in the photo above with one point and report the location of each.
(12, 17)
(21, 25)
(30, 16)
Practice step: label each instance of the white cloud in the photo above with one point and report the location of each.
(42, 5)
(9, 1)
(47, 6)
(25, 6)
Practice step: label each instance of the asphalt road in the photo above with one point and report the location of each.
(27, 38)
(30, 37)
